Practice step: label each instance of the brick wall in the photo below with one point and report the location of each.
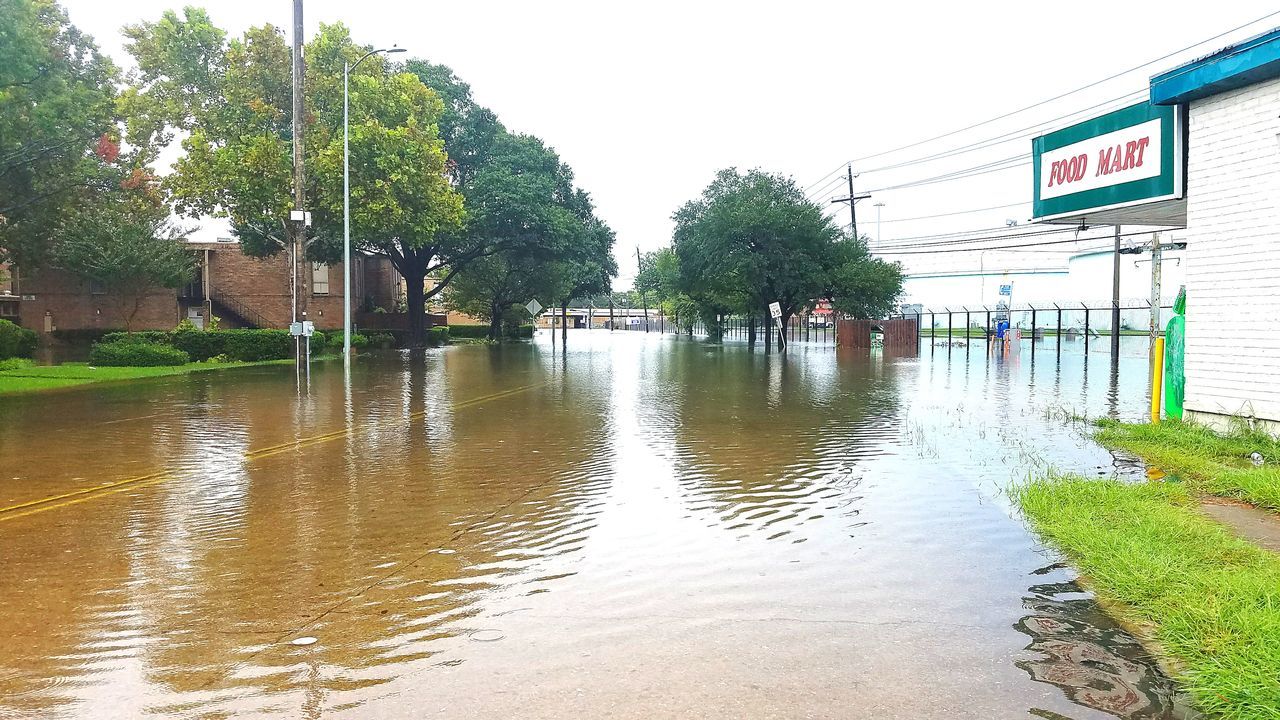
(68, 303)
(1233, 268)
(262, 284)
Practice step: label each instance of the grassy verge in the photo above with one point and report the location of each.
(1215, 464)
(1209, 599)
(29, 378)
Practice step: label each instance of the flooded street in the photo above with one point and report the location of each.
(641, 527)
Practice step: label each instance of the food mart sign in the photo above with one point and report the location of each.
(1128, 157)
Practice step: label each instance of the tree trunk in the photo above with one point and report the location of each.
(768, 330)
(751, 331)
(495, 323)
(564, 324)
(416, 306)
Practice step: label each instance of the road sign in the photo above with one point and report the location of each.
(1006, 290)
(534, 307)
(775, 309)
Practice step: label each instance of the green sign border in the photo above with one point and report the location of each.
(1164, 186)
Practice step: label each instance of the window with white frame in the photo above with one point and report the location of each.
(319, 279)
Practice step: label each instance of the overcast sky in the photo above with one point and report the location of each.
(646, 101)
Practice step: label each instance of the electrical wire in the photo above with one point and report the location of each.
(1069, 93)
(1009, 247)
(1009, 163)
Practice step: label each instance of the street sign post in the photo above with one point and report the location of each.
(775, 309)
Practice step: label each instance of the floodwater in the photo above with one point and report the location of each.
(642, 527)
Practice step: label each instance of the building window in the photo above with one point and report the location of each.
(96, 287)
(319, 279)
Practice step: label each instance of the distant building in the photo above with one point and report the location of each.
(242, 291)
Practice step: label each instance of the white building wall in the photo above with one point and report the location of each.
(1233, 266)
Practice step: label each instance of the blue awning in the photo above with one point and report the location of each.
(1245, 63)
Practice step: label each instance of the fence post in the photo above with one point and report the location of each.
(948, 329)
(1086, 327)
(1033, 331)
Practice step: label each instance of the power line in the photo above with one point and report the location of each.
(1066, 94)
(1109, 78)
(1011, 247)
(994, 166)
(958, 212)
(945, 241)
(1026, 132)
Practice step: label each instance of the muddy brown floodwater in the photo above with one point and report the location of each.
(643, 527)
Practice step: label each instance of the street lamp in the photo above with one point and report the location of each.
(346, 199)
(878, 206)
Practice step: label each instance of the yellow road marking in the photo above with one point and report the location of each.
(78, 496)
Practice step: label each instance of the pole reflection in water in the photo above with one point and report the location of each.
(524, 533)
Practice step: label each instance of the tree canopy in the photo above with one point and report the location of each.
(57, 125)
(752, 239)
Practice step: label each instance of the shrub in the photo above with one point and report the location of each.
(381, 338)
(256, 345)
(15, 364)
(523, 331)
(136, 354)
(158, 337)
(467, 331)
(357, 341)
(438, 335)
(197, 343)
(16, 341)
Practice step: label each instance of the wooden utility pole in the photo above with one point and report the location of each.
(853, 201)
(298, 225)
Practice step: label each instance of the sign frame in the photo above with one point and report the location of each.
(775, 310)
(1168, 185)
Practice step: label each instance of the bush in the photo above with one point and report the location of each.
(523, 331)
(16, 341)
(256, 345)
(467, 331)
(136, 354)
(197, 343)
(201, 345)
(383, 338)
(357, 341)
(438, 335)
(15, 364)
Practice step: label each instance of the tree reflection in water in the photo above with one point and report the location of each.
(1097, 663)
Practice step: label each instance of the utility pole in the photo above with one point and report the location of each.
(1115, 303)
(298, 217)
(1155, 287)
(644, 300)
(879, 206)
(852, 200)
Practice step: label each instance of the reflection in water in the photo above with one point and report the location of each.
(640, 505)
(1096, 662)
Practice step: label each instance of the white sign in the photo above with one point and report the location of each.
(1128, 154)
(534, 307)
(775, 309)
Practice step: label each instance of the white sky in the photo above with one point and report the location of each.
(647, 100)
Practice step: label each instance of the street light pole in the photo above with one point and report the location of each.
(346, 199)
(879, 205)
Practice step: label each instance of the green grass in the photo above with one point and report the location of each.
(1210, 600)
(28, 378)
(1213, 463)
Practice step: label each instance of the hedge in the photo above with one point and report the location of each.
(16, 341)
(200, 345)
(439, 335)
(482, 331)
(136, 354)
(467, 331)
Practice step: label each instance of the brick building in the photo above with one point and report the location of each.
(241, 291)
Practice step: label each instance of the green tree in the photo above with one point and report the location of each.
(862, 286)
(57, 131)
(232, 97)
(752, 239)
(130, 246)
